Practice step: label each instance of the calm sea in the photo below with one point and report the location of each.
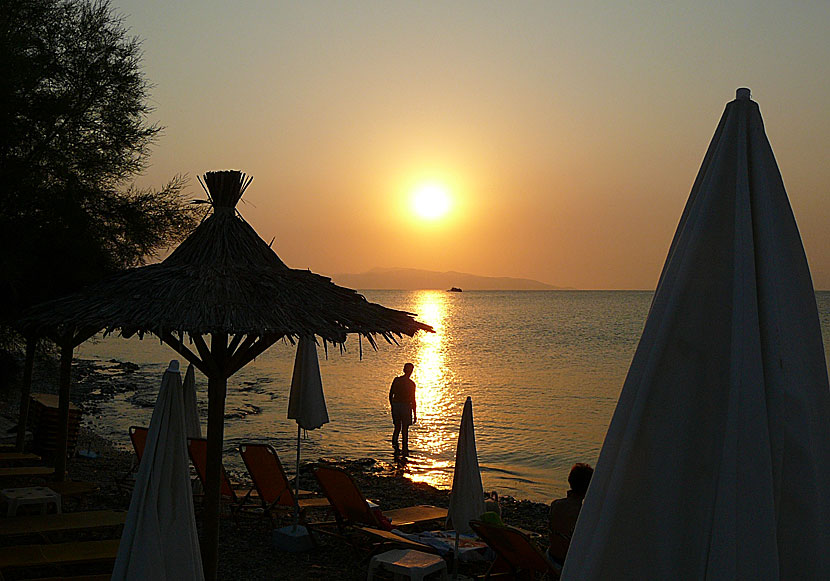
(544, 370)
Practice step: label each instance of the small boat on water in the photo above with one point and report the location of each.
(454, 289)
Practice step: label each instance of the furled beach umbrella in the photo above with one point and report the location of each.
(191, 408)
(306, 402)
(228, 292)
(306, 405)
(716, 464)
(159, 540)
(467, 494)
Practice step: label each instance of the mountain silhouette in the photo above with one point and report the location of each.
(414, 279)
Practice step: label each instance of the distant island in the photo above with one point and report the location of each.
(415, 279)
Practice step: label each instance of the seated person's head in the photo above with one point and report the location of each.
(580, 477)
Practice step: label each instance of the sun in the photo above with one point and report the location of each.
(431, 201)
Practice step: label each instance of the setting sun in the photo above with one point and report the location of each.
(431, 201)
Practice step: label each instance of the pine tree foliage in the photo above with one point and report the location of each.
(74, 132)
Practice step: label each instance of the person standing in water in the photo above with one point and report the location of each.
(402, 400)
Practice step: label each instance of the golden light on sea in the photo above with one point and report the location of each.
(432, 377)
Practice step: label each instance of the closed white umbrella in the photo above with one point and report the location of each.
(467, 494)
(307, 406)
(191, 409)
(716, 464)
(159, 540)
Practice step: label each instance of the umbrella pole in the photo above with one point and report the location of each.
(297, 483)
(25, 392)
(63, 410)
(217, 390)
(215, 435)
(455, 558)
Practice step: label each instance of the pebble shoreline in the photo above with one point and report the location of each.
(245, 551)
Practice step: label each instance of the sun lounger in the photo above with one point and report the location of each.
(516, 553)
(59, 554)
(65, 522)
(271, 483)
(73, 488)
(104, 577)
(12, 457)
(138, 438)
(197, 449)
(21, 471)
(381, 540)
(351, 507)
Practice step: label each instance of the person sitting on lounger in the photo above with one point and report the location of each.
(565, 511)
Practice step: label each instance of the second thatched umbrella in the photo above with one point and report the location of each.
(225, 284)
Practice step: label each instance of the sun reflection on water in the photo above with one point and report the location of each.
(433, 377)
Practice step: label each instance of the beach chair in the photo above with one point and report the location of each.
(197, 450)
(351, 507)
(27, 472)
(517, 556)
(271, 483)
(44, 524)
(138, 438)
(15, 457)
(31, 557)
(380, 540)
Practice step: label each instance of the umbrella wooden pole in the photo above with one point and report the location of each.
(25, 391)
(65, 378)
(217, 389)
(297, 483)
(455, 558)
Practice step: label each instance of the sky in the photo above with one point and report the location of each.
(566, 135)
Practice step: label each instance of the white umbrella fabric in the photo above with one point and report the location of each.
(716, 464)
(159, 540)
(467, 494)
(191, 408)
(306, 403)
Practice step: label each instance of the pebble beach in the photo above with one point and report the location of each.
(246, 550)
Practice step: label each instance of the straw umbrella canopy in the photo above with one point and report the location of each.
(716, 464)
(229, 293)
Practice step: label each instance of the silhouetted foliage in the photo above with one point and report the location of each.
(73, 132)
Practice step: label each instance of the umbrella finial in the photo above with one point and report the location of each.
(225, 188)
(743, 94)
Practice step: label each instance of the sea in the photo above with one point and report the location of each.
(544, 370)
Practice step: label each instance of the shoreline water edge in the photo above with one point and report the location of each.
(246, 552)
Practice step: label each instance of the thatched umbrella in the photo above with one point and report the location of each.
(224, 282)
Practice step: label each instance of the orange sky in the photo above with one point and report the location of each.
(569, 133)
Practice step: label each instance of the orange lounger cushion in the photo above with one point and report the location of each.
(400, 517)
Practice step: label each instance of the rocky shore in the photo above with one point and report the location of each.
(246, 551)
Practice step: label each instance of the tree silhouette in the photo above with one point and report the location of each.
(74, 130)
